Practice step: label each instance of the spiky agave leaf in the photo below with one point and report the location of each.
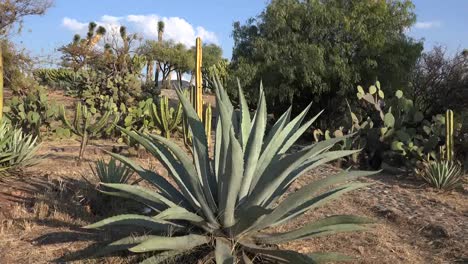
(16, 148)
(226, 202)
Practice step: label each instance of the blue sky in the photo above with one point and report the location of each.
(440, 22)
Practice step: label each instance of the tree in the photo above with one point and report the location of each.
(212, 57)
(76, 54)
(13, 12)
(439, 82)
(320, 50)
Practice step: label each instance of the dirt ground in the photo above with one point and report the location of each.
(43, 208)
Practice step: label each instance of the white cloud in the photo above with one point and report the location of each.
(428, 24)
(73, 25)
(177, 29)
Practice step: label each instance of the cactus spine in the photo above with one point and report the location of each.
(87, 127)
(449, 134)
(165, 118)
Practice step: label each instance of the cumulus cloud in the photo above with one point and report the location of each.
(428, 24)
(176, 29)
(73, 25)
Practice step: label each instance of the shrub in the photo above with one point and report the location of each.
(16, 148)
(227, 203)
(441, 174)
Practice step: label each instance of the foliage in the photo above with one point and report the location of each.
(227, 203)
(56, 78)
(320, 50)
(16, 148)
(81, 51)
(136, 117)
(166, 118)
(32, 111)
(16, 63)
(441, 174)
(440, 82)
(88, 125)
(102, 92)
(13, 12)
(112, 171)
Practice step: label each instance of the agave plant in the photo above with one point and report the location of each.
(112, 171)
(16, 148)
(226, 204)
(441, 174)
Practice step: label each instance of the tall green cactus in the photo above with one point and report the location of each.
(449, 134)
(166, 118)
(88, 126)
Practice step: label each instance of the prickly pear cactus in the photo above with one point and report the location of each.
(32, 112)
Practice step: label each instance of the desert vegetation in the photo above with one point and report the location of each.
(330, 136)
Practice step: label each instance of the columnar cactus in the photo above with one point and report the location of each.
(88, 126)
(166, 118)
(449, 134)
(196, 96)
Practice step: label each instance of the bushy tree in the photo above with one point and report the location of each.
(320, 50)
(440, 82)
(12, 12)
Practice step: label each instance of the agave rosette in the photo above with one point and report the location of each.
(228, 201)
(16, 148)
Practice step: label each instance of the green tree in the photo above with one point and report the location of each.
(320, 50)
(212, 63)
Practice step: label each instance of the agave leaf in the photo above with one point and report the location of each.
(249, 217)
(254, 145)
(167, 190)
(319, 201)
(218, 146)
(225, 125)
(305, 167)
(298, 133)
(291, 130)
(141, 194)
(283, 256)
(200, 151)
(246, 259)
(190, 178)
(277, 127)
(179, 213)
(232, 179)
(119, 245)
(134, 220)
(328, 225)
(278, 170)
(223, 254)
(245, 122)
(154, 243)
